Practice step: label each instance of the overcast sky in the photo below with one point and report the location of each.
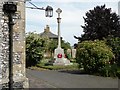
(72, 16)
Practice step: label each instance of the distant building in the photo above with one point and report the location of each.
(48, 33)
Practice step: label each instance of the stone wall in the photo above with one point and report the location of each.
(19, 72)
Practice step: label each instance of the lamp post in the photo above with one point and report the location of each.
(48, 10)
(58, 21)
(9, 9)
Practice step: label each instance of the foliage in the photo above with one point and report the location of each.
(65, 45)
(94, 56)
(35, 47)
(48, 64)
(53, 45)
(100, 23)
(118, 72)
(114, 43)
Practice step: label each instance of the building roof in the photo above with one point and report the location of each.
(48, 33)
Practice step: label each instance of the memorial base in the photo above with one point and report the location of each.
(62, 62)
(59, 58)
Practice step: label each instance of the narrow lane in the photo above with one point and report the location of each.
(58, 79)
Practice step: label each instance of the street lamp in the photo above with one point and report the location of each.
(59, 20)
(9, 9)
(48, 10)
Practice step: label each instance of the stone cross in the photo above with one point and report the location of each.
(59, 52)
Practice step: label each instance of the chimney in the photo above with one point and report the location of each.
(47, 29)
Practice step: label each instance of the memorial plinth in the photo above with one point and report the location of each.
(59, 58)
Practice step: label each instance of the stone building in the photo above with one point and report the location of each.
(47, 33)
(19, 72)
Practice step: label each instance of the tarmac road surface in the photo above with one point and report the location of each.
(64, 79)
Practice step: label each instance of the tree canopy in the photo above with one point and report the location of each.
(34, 49)
(36, 46)
(100, 23)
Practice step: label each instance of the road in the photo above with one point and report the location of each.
(61, 79)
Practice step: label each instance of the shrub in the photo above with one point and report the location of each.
(118, 72)
(34, 49)
(114, 43)
(94, 56)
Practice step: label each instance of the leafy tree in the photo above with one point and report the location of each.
(35, 47)
(99, 24)
(65, 45)
(53, 45)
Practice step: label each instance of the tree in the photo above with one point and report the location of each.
(99, 24)
(65, 45)
(35, 47)
(53, 45)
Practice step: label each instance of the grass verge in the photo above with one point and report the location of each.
(51, 67)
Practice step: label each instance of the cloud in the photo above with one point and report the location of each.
(72, 17)
(67, 1)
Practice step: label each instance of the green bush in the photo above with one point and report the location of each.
(94, 57)
(118, 72)
(34, 49)
(114, 43)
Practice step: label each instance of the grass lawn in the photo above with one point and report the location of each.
(48, 64)
(51, 67)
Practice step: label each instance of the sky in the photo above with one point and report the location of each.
(72, 15)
